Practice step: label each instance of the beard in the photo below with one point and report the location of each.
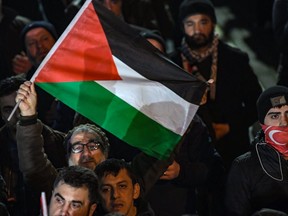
(84, 161)
(198, 41)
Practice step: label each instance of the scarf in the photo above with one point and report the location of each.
(277, 137)
(190, 57)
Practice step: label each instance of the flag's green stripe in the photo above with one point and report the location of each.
(116, 116)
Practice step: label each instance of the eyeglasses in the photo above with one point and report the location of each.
(78, 147)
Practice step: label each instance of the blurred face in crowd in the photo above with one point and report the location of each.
(277, 116)
(7, 103)
(72, 201)
(199, 31)
(118, 193)
(38, 42)
(87, 151)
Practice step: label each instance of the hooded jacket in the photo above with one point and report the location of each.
(257, 179)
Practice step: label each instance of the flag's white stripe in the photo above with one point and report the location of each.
(151, 98)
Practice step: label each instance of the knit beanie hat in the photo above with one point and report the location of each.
(191, 7)
(36, 24)
(272, 97)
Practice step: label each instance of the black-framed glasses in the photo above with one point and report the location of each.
(78, 147)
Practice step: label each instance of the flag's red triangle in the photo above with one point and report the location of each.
(82, 53)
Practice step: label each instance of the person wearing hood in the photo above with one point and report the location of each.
(258, 179)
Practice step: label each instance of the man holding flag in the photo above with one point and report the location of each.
(104, 70)
(87, 146)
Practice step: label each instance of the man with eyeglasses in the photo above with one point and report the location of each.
(86, 146)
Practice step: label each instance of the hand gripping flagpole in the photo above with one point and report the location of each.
(18, 103)
(14, 110)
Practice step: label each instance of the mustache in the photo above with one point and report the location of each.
(198, 35)
(85, 159)
(199, 40)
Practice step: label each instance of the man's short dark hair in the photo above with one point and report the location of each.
(78, 177)
(10, 84)
(89, 128)
(114, 166)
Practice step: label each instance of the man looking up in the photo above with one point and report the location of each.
(75, 192)
(228, 107)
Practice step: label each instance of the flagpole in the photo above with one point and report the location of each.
(44, 204)
(14, 110)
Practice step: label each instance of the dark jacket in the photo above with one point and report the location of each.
(38, 171)
(22, 199)
(201, 169)
(237, 90)
(143, 209)
(257, 179)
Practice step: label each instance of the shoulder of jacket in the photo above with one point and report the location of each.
(231, 49)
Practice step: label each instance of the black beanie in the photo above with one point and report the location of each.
(272, 97)
(36, 24)
(191, 7)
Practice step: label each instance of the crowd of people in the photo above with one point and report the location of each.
(216, 170)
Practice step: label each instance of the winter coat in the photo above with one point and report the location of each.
(257, 179)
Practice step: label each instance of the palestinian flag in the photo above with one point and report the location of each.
(104, 70)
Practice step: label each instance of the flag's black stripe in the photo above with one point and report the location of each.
(135, 51)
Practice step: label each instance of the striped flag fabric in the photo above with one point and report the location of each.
(103, 69)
